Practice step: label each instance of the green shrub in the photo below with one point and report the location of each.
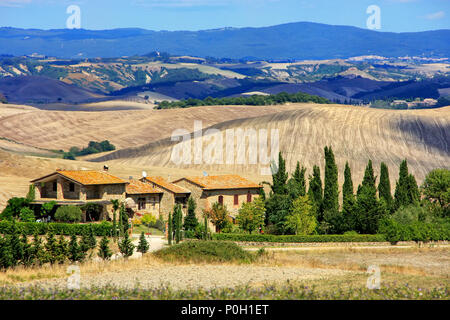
(27, 215)
(104, 251)
(126, 247)
(205, 251)
(298, 238)
(416, 231)
(68, 214)
(29, 228)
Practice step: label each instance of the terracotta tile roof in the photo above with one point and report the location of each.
(138, 187)
(163, 183)
(229, 181)
(86, 177)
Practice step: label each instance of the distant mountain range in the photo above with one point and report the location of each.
(301, 40)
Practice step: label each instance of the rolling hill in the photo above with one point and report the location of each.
(300, 40)
(37, 89)
(123, 128)
(356, 134)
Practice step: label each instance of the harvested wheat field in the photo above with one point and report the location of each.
(426, 267)
(123, 128)
(356, 134)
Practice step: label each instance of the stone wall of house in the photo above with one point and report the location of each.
(45, 190)
(197, 194)
(228, 198)
(112, 191)
(67, 194)
(166, 203)
(152, 203)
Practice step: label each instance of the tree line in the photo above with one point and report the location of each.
(254, 100)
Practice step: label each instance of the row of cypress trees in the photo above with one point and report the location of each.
(360, 211)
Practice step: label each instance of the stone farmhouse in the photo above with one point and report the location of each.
(172, 194)
(230, 190)
(143, 198)
(79, 187)
(153, 195)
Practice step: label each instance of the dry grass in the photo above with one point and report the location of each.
(423, 265)
(412, 261)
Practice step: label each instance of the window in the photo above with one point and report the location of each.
(54, 186)
(236, 200)
(221, 200)
(72, 187)
(141, 203)
(249, 197)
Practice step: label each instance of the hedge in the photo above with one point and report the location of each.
(29, 228)
(417, 231)
(296, 238)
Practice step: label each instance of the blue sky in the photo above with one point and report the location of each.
(396, 15)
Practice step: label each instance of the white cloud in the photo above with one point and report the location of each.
(435, 16)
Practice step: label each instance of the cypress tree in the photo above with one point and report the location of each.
(28, 257)
(331, 215)
(384, 187)
(6, 254)
(116, 206)
(401, 187)
(92, 240)
(348, 200)
(104, 251)
(75, 252)
(369, 177)
(62, 249)
(123, 216)
(191, 222)
(331, 188)
(169, 232)
(368, 209)
(406, 190)
(280, 177)
(51, 248)
(126, 247)
(37, 250)
(85, 242)
(297, 184)
(315, 192)
(143, 244)
(16, 244)
(206, 228)
(347, 187)
(177, 218)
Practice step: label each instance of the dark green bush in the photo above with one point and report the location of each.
(298, 238)
(206, 251)
(29, 228)
(416, 231)
(68, 214)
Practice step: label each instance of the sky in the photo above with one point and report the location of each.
(394, 15)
